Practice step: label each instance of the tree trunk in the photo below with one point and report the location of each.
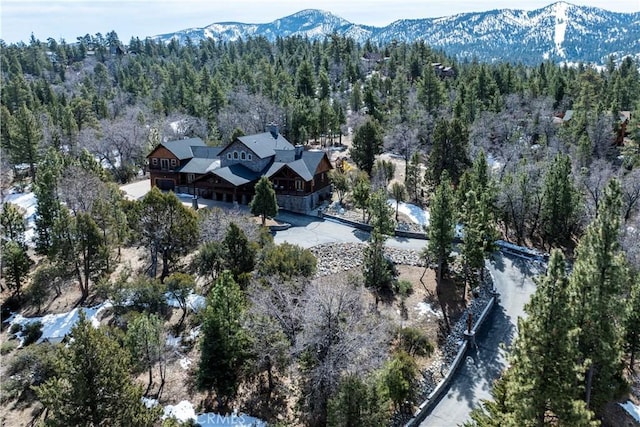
(165, 265)
(587, 398)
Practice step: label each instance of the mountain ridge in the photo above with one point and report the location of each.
(560, 32)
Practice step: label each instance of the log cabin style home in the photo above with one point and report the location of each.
(300, 177)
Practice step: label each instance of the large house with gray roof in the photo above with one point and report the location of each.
(299, 177)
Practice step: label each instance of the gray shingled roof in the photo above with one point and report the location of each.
(181, 148)
(275, 167)
(312, 159)
(305, 166)
(264, 144)
(300, 167)
(206, 152)
(201, 166)
(236, 174)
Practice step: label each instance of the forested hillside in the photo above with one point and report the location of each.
(546, 157)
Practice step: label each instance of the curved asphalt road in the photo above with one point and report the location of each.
(472, 382)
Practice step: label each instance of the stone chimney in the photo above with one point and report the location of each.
(273, 128)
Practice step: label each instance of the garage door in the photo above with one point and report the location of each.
(165, 184)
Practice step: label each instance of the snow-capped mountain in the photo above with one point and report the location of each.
(561, 32)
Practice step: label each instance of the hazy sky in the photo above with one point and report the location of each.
(69, 19)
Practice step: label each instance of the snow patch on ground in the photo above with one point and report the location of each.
(149, 403)
(184, 411)
(56, 326)
(185, 363)
(632, 409)
(419, 215)
(425, 309)
(195, 302)
(415, 213)
(29, 203)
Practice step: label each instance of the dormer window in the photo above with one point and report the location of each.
(235, 155)
(174, 163)
(243, 155)
(154, 161)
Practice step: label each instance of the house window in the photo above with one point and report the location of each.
(164, 163)
(243, 155)
(190, 178)
(174, 163)
(299, 185)
(154, 161)
(235, 155)
(249, 157)
(229, 156)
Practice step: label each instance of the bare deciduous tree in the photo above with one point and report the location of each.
(339, 335)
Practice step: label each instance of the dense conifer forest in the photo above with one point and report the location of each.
(547, 157)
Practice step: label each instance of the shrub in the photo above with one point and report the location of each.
(7, 347)
(32, 332)
(404, 288)
(29, 367)
(15, 328)
(415, 342)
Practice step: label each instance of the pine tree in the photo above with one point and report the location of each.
(145, 342)
(25, 135)
(399, 193)
(598, 278)
(381, 214)
(449, 152)
(559, 201)
(358, 402)
(78, 248)
(46, 191)
(264, 202)
(362, 193)
(412, 179)
(430, 90)
(367, 144)
(224, 344)
(441, 230)
(15, 265)
(632, 323)
(239, 254)
(543, 370)
(93, 386)
(12, 224)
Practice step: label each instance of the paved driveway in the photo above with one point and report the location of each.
(308, 231)
(483, 364)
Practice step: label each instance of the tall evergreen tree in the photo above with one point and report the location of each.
(632, 323)
(12, 224)
(362, 193)
(544, 372)
(224, 344)
(93, 386)
(367, 144)
(598, 278)
(449, 152)
(78, 248)
(24, 137)
(239, 254)
(46, 191)
(264, 202)
(559, 202)
(441, 231)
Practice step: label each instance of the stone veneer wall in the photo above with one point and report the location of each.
(303, 204)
